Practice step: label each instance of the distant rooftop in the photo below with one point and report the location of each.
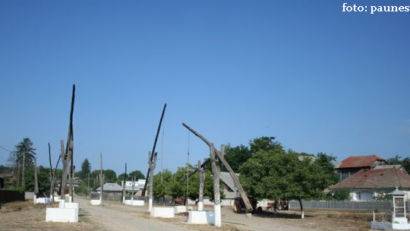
(361, 161)
(377, 178)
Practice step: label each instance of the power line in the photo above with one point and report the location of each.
(4, 148)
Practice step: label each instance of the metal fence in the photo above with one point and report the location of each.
(385, 206)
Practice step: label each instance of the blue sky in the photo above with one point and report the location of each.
(317, 79)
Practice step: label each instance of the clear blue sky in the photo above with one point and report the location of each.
(317, 79)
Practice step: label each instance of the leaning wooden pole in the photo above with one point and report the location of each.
(153, 147)
(70, 146)
(51, 175)
(228, 167)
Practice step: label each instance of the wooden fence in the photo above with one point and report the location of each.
(10, 196)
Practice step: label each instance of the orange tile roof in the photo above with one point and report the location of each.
(360, 161)
(376, 179)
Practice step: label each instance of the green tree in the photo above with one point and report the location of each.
(341, 194)
(396, 160)
(163, 183)
(264, 143)
(406, 164)
(327, 163)
(122, 177)
(137, 174)
(277, 174)
(25, 157)
(110, 176)
(236, 156)
(85, 169)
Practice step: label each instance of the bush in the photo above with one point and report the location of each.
(341, 194)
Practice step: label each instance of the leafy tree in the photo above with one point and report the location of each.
(327, 163)
(110, 176)
(85, 169)
(137, 174)
(277, 174)
(236, 156)
(341, 194)
(396, 160)
(163, 183)
(175, 185)
(264, 143)
(122, 177)
(406, 164)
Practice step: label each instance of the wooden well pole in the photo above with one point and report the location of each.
(101, 177)
(201, 177)
(217, 197)
(228, 167)
(123, 184)
(153, 147)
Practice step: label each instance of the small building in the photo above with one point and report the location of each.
(228, 185)
(8, 179)
(370, 184)
(353, 164)
(138, 185)
(110, 188)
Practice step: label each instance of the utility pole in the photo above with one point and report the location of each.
(101, 177)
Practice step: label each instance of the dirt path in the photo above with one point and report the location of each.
(124, 218)
(113, 216)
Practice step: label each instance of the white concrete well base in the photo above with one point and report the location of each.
(72, 206)
(179, 209)
(61, 215)
(164, 212)
(42, 200)
(201, 217)
(134, 202)
(388, 225)
(95, 202)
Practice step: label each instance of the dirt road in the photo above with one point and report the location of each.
(114, 216)
(124, 218)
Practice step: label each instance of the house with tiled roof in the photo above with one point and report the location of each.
(368, 184)
(353, 164)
